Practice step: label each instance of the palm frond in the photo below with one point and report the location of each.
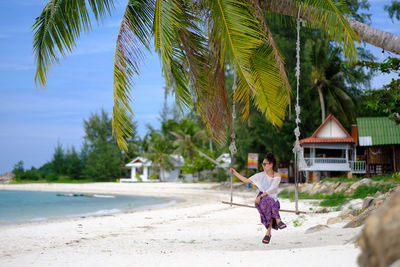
(58, 27)
(134, 36)
(212, 100)
(188, 64)
(326, 14)
(272, 94)
(167, 27)
(279, 61)
(207, 77)
(239, 30)
(236, 32)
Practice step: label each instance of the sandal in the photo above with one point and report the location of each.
(266, 239)
(281, 225)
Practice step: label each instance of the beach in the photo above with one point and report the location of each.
(196, 230)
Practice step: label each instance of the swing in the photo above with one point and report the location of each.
(296, 150)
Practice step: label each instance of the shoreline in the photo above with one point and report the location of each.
(99, 212)
(198, 230)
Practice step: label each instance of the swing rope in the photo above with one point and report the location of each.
(298, 157)
(232, 146)
(297, 149)
(299, 160)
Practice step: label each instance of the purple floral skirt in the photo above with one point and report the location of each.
(269, 210)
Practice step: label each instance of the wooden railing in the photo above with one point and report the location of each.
(357, 166)
(311, 161)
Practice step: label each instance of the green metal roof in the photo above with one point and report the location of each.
(377, 131)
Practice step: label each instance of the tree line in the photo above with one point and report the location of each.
(100, 159)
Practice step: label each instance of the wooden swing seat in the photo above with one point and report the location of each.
(249, 206)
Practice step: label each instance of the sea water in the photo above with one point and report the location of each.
(32, 206)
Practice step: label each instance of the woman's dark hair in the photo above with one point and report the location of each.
(271, 159)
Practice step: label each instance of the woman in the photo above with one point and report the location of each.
(266, 202)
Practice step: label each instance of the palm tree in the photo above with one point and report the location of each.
(188, 137)
(197, 40)
(159, 152)
(385, 40)
(332, 79)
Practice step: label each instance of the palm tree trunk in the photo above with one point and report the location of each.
(322, 102)
(386, 41)
(162, 174)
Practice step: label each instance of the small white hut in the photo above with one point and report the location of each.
(141, 168)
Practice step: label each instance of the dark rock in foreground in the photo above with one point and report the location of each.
(380, 238)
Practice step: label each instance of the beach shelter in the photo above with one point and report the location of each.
(140, 168)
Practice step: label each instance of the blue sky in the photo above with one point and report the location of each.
(32, 120)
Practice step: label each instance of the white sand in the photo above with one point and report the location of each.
(197, 231)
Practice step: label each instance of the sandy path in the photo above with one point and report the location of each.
(197, 231)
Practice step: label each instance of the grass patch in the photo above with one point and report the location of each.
(333, 200)
(291, 195)
(338, 199)
(365, 190)
(299, 221)
(341, 179)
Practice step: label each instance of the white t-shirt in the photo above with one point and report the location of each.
(266, 183)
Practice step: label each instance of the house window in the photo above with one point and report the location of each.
(307, 152)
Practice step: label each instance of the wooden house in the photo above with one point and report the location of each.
(379, 144)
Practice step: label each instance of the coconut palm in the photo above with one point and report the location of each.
(188, 138)
(385, 40)
(198, 41)
(327, 75)
(159, 152)
(334, 80)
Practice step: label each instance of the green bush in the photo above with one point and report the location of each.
(396, 176)
(51, 177)
(64, 179)
(154, 176)
(32, 175)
